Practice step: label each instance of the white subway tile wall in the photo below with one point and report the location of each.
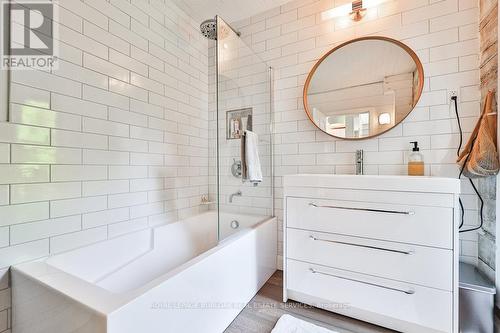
(5, 303)
(116, 139)
(444, 34)
(109, 142)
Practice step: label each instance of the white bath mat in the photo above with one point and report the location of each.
(289, 324)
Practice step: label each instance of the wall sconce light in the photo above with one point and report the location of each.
(358, 12)
(384, 119)
(355, 10)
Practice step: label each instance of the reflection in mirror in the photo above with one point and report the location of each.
(363, 88)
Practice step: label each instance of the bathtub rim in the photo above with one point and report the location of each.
(100, 300)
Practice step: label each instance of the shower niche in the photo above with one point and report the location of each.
(237, 122)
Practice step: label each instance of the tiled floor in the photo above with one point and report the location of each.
(267, 307)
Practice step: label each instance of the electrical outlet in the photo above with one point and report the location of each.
(453, 92)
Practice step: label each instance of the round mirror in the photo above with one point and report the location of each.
(363, 88)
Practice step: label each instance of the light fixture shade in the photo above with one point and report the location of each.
(347, 9)
(384, 118)
(339, 11)
(372, 3)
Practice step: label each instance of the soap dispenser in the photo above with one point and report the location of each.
(415, 161)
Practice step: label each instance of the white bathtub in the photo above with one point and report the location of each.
(174, 278)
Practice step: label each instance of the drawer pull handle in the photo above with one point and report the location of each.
(360, 245)
(408, 292)
(364, 209)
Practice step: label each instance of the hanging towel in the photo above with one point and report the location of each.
(252, 160)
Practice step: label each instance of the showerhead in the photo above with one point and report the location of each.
(209, 29)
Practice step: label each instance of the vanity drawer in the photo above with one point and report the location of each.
(426, 307)
(428, 226)
(431, 267)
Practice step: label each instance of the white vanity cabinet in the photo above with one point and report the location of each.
(383, 249)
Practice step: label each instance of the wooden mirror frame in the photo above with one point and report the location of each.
(405, 47)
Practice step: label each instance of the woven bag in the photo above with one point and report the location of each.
(480, 156)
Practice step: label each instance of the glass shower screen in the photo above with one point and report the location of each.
(244, 181)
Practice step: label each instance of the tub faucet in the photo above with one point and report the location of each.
(236, 194)
(359, 162)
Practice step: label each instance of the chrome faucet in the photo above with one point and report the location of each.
(359, 162)
(236, 194)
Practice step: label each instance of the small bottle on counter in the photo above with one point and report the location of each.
(415, 161)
